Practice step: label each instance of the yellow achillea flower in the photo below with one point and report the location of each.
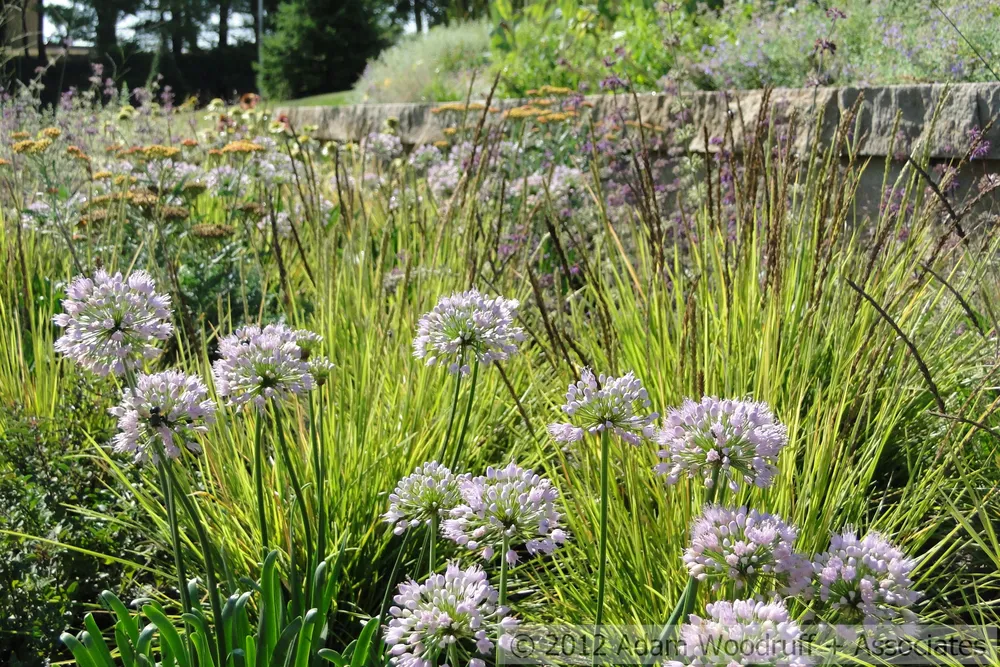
(450, 131)
(189, 143)
(174, 213)
(102, 175)
(210, 231)
(50, 133)
(77, 153)
(645, 126)
(30, 147)
(142, 198)
(554, 90)
(441, 144)
(243, 147)
(4, 162)
(19, 135)
(214, 151)
(526, 111)
(458, 106)
(95, 216)
(123, 179)
(160, 152)
(250, 209)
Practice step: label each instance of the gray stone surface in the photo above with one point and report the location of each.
(936, 115)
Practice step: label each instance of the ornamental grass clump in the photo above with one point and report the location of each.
(445, 620)
(169, 406)
(734, 441)
(111, 322)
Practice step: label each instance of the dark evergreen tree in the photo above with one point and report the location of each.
(320, 46)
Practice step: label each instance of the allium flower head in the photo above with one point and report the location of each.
(382, 145)
(866, 580)
(512, 503)
(747, 548)
(111, 322)
(594, 404)
(432, 490)
(170, 406)
(258, 364)
(468, 322)
(739, 440)
(455, 609)
(744, 632)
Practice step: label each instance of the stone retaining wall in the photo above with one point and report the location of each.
(960, 108)
(937, 116)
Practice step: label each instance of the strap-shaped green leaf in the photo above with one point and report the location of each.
(168, 634)
(99, 650)
(80, 652)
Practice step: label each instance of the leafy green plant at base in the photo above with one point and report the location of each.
(276, 639)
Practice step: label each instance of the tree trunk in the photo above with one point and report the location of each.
(40, 37)
(224, 24)
(106, 33)
(418, 15)
(176, 27)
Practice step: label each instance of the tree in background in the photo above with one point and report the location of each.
(318, 46)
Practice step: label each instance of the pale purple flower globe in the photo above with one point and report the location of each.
(751, 549)
(743, 632)
(112, 322)
(864, 580)
(737, 440)
(512, 504)
(259, 364)
(432, 490)
(169, 406)
(456, 610)
(382, 146)
(617, 404)
(468, 322)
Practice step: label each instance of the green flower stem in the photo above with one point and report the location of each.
(384, 608)
(454, 406)
(175, 536)
(432, 536)
(468, 411)
(603, 558)
(258, 478)
(206, 546)
(503, 594)
(685, 604)
(300, 499)
(316, 431)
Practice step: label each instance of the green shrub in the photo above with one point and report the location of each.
(747, 44)
(434, 67)
(50, 488)
(318, 47)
